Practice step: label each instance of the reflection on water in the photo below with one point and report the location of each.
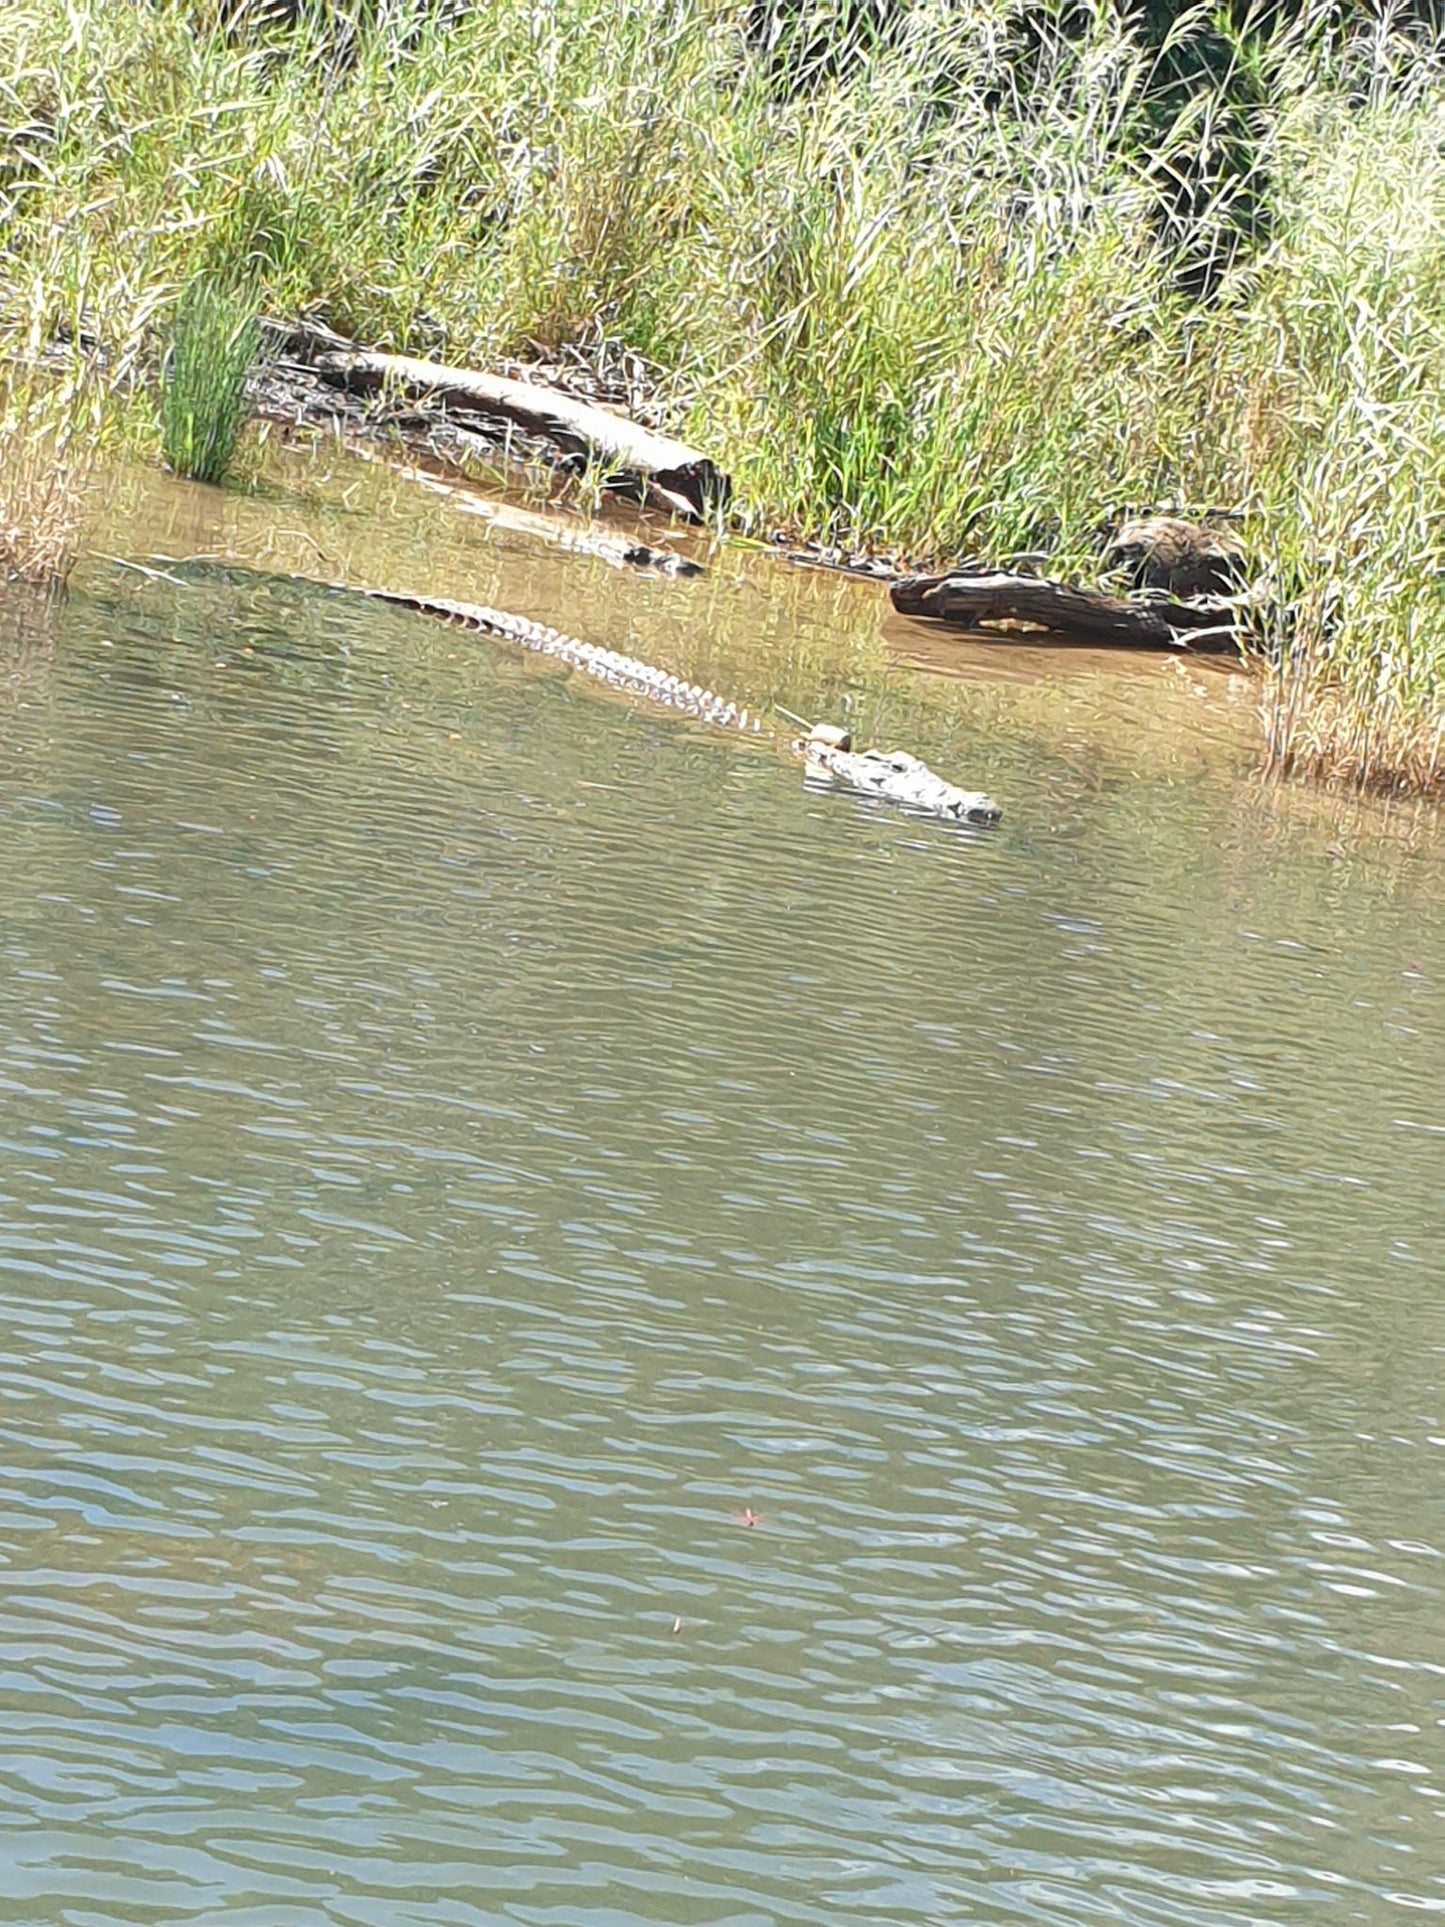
(469, 1145)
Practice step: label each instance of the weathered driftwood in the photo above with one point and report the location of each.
(637, 460)
(970, 599)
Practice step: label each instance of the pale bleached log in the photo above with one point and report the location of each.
(635, 459)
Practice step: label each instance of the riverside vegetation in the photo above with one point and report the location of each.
(945, 279)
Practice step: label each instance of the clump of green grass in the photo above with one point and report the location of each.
(216, 335)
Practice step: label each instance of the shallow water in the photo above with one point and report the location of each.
(470, 1146)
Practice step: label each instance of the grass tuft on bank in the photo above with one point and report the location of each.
(215, 337)
(970, 285)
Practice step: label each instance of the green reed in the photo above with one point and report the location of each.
(215, 337)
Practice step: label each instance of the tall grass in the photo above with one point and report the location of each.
(934, 296)
(204, 405)
(49, 429)
(42, 493)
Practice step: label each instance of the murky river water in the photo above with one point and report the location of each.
(589, 1338)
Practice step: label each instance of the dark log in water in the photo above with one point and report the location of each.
(647, 465)
(969, 600)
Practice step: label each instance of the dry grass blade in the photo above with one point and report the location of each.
(44, 472)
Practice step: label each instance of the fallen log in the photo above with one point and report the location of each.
(637, 461)
(970, 599)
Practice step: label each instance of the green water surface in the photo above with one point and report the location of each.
(590, 1337)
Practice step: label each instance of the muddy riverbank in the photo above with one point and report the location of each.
(752, 622)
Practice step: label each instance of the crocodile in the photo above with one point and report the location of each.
(827, 749)
(550, 528)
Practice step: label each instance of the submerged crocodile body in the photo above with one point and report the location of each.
(890, 774)
(627, 673)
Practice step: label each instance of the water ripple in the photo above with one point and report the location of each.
(589, 1336)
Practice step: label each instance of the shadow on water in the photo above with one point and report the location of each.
(468, 1145)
